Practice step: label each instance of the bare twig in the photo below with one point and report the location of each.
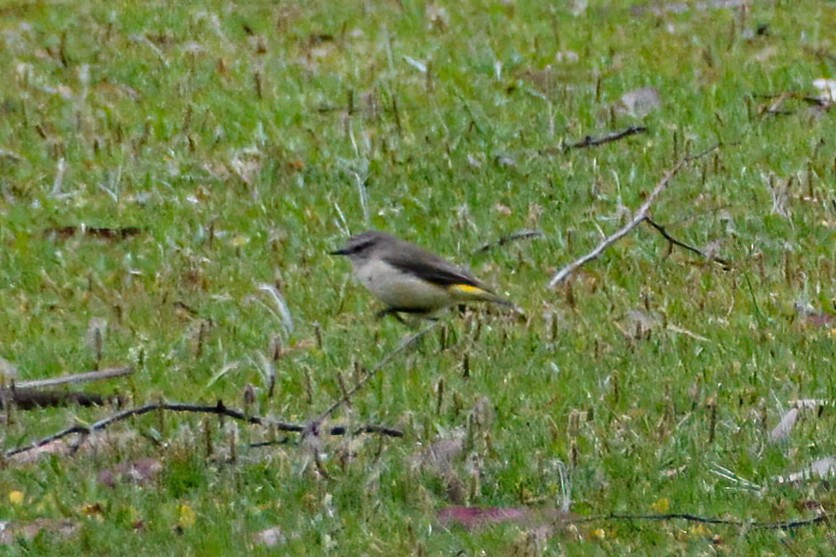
(518, 235)
(638, 217)
(661, 230)
(106, 233)
(219, 409)
(775, 107)
(777, 100)
(784, 525)
(29, 399)
(76, 378)
(476, 516)
(312, 429)
(406, 343)
(590, 141)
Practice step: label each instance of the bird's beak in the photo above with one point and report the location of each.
(342, 251)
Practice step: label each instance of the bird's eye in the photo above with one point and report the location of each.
(359, 247)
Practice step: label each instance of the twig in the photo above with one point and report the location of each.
(117, 233)
(76, 378)
(775, 107)
(661, 230)
(590, 141)
(638, 217)
(787, 525)
(29, 399)
(475, 516)
(337, 430)
(406, 343)
(383, 430)
(262, 444)
(519, 235)
(218, 409)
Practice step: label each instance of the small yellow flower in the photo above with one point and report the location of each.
(599, 534)
(662, 505)
(239, 241)
(186, 516)
(699, 530)
(93, 510)
(16, 497)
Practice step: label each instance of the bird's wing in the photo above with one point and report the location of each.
(431, 268)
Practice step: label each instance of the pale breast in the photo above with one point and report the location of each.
(401, 290)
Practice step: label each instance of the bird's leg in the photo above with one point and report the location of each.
(394, 312)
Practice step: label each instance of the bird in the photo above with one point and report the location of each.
(409, 279)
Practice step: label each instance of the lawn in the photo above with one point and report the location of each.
(174, 175)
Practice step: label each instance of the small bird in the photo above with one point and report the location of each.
(409, 279)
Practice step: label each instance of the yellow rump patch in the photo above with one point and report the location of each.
(468, 290)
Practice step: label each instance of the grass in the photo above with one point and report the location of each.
(239, 136)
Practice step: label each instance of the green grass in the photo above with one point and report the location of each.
(223, 130)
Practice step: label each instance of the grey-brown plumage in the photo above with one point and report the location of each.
(408, 278)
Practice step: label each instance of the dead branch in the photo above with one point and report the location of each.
(336, 430)
(661, 230)
(105, 233)
(783, 525)
(775, 107)
(29, 399)
(776, 101)
(406, 343)
(471, 517)
(519, 235)
(109, 373)
(590, 141)
(219, 410)
(637, 218)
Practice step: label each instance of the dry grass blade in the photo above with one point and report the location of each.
(788, 421)
(85, 377)
(785, 426)
(821, 469)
